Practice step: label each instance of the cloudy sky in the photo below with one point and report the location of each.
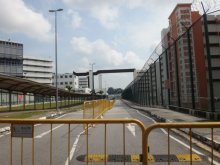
(112, 33)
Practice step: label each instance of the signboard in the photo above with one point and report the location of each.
(22, 130)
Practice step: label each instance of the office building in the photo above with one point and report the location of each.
(11, 57)
(38, 70)
(83, 82)
(66, 80)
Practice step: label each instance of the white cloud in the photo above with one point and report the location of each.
(106, 12)
(100, 52)
(16, 16)
(76, 20)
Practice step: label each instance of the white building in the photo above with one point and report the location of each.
(38, 69)
(11, 54)
(66, 79)
(83, 82)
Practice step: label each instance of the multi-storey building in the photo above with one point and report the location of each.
(213, 23)
(83, 82)
(178, 52)
(66, 80)
(164, 66)
(179, 70)
(38, 69)
(11, 56)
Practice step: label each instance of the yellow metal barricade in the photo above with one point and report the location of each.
(168, 126)
(95, 108)
(28, 126)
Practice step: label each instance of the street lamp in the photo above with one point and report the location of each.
(55, 12)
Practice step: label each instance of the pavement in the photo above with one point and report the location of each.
(167, 115)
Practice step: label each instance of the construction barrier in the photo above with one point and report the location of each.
(25, 131)
(95, 108)
(167, 128)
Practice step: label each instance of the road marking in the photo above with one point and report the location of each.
(131, 128)
(47, 132)
(74, 147)
(177, 140)
(136, 158)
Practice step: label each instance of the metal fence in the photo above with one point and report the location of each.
(23, 134)
(95, 108)
(183, 72)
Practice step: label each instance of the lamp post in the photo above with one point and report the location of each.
(55, 12)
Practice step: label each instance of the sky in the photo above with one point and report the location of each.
(113, 34)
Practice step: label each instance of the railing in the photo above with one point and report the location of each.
(29, 132)
(190, 126)
(29, 127)
(95, 108)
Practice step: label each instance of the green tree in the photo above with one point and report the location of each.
(69, 88)
(100, 92)
(93, 92)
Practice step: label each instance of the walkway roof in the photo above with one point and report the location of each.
(12, 83)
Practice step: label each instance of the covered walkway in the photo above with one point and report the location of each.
(15, 92)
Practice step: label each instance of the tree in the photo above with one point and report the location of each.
(93, 92)
(114, 91)
(110, 90)
(100, 92)
(69, 88)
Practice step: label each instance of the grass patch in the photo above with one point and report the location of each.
(25, 115)
(40, 106)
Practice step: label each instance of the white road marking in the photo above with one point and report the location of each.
(47, 132)
(45, 118)
(73, 148)
(180, 142)
(4, 129)
(39, 136)
(131, 128)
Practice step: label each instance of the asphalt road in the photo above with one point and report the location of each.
(115, 148)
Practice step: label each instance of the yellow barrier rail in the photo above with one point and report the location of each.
(51, 122)
(145, 132)
(170, 126)
(95, 108)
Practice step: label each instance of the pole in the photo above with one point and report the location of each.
(55, 13)
(56, 59)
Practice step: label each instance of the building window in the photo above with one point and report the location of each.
(61, 83)
(65, 76)
(52, 83)
(66, 83)
(61, 76)
(71, 83)
(70, 76)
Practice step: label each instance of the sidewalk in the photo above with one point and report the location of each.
(167, 115)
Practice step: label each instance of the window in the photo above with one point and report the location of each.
(71, 82)
(65, 76)
(61, 76)
(70, 76)
(66, 83)
(61, 83)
